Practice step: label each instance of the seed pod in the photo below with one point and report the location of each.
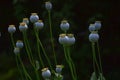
(16, 50)
(46, 73)
(11, 29)
(19, 44)
(59, 68)
(39, 24)
(92, 27)
(34, 17)
(66, 40)
(63, 39)
(71, 39)
(97, 25)
(25, 20)
(64, 25)
(23, 26)
(48, 5)
(93, 37)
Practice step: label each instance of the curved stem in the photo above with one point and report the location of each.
(68, 61)
(25, 71)
(28, 46)
(16, 59)
(40, 43)
(13, 43)
(38, 48)
(72, 64)
(51, 37)
(94, 56)
(99, 57)
(27, 50)
(37, 76)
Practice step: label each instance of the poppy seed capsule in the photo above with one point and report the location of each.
(11, 29)
(48, 5)
(25, 20)
(23, 26)
(93, 37)
(71, 39)
(19, 44)
(64, 25)
(92, 27)
(66, 40)
(59, 68)
(16, 50)
(34, 17)
(63, 39)
(39, 24)
(97, 25)
(46, 73)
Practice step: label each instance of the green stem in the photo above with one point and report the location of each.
(40, 43)
(51, 36)
(38, 48)
(13, 43)
(25, 71)
(94, 57)
(19, 67)
(27, 50)
(99, 57)
(68, 61)
(28, 46)
(37, 76)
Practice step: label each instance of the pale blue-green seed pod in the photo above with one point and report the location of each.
(11, 29)
(48, 5)
(39, 24)
(59, 68)
(71, 39)
(93, 37)
(34, 17)
(16, 50)
(98, 25)
(63, 39)
(19, 44)
(64, 25)
(25, 20)
(92, 27)
(23, 27)
(46, 74)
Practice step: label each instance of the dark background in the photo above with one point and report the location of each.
(79, 13)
